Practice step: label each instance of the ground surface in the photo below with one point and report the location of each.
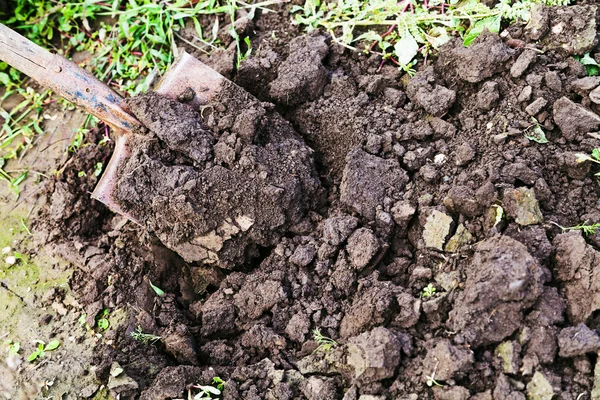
(347, 188)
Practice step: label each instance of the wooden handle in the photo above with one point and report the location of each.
(66, 79)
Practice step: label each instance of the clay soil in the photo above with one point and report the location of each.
(328, 199)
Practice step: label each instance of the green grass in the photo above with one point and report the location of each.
(325, 343)
(400, 30)
(144, 338)
(587, 229)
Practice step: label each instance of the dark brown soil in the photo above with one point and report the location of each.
(332, 201)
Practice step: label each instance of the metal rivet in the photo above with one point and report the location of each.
(57, 69)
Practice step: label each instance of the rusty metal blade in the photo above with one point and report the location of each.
(186, 72)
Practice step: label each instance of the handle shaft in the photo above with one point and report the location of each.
(66, 79)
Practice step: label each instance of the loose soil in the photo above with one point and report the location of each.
(328, 200)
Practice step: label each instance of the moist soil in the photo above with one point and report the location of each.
(329, 199)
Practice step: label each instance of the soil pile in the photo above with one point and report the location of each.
(440, 180)
(215, 191)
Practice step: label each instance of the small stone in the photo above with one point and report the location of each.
(523, 62)
(436, 230)
(574, 120)
(180, 344)
(522, 205)
(120, 382)
(367, 180)
(394, 97)
(525, 94)
(499, 138)
(10, 260)
(464, 154)
(337, 229)
(451, 393)
(429, 173)
(374, 355)
(539, 388)
(6, 250)
(440, 159)
(59, 308)
(583, 86)
(362, 246)
(509, 352)
(553, 81)
(461, 238)
(462, 199)
(298, 327)
(577, 341)
(595, 95)
(402, 212)
(303, 255)
(316, 388)
(488, 96)
(89, 390)
(448, 361)
(537, 106)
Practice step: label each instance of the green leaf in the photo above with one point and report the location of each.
(209, 389)
(537, 135)
(53, 345)
(33, 356)
(492, 24)
(581, 157)
(596, 153)
(406, 49)
(14, 74)
(592, 70)
(587, 60)
(103, 324)
(4, 79)
(156, 289)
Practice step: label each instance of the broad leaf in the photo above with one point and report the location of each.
(406, 49)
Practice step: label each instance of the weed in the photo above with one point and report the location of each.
(98, 169)
(159, 292)
(591, 66)
(428, 291)
(402, 29)
(431, 380)
(145, 338)
(12, 347)
(584, 227)
(593, 157)
(102, 320)
(25, 228)
(535, 132)
(208, 391)
(42, 349)
(325, 343)
(499, 213)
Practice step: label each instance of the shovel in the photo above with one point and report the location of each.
(80, 87)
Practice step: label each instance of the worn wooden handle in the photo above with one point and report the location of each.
(66, 79)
